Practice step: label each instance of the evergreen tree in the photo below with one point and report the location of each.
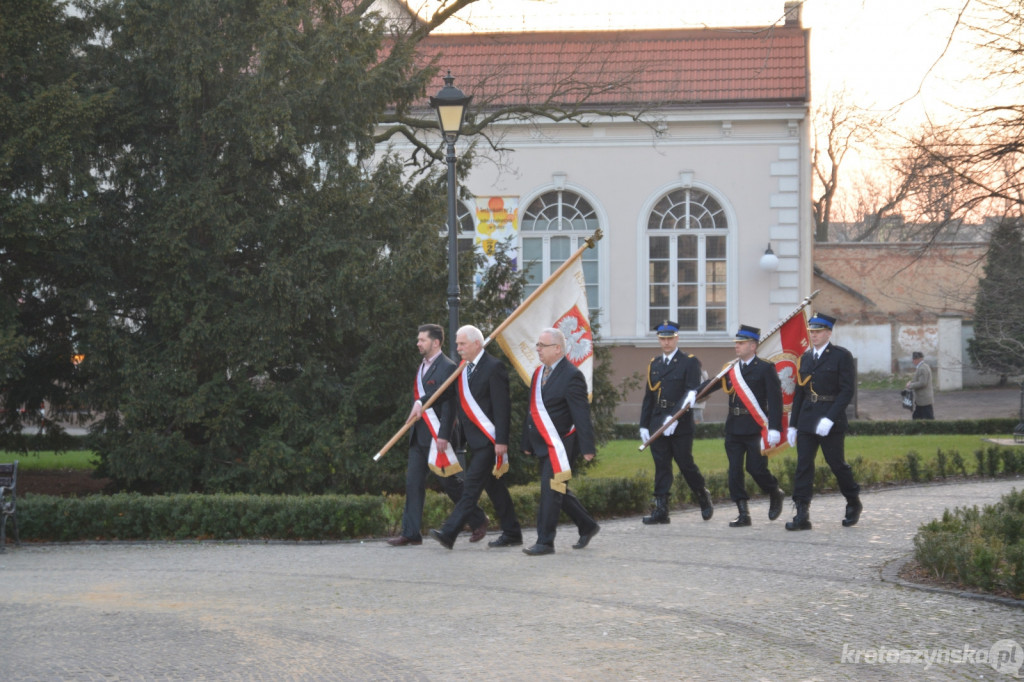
(194, 199)
(48, 117)
(265, 272)
(998, 343)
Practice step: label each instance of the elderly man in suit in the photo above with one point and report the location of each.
(753, 424)
(827, 380)
(673, 378)
(556, 427)
(486, 416)
(429, 439)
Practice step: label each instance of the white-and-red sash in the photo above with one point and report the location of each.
(441, 463)
(556, 449)
(746, 396)
(477, 415)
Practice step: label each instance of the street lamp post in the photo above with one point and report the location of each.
(451, 104)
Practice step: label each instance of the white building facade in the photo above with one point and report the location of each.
(689, 197)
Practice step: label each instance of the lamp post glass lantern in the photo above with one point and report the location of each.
(451, 104)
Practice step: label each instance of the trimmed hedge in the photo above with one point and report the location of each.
(867, 428)
(132, 516)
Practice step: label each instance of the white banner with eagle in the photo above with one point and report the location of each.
(562, 305)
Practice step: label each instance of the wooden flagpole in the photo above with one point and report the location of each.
(589, 243)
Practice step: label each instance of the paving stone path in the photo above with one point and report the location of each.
(691, 600)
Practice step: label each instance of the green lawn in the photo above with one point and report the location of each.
(73, 459)
(621, 459)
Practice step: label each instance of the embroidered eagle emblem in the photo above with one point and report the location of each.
(579, 342)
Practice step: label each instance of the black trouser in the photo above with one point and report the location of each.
(736, 447)
(923, 412)
(678, 447)
(478, 479)
(415, 494)
(552, 503)
(833, 447)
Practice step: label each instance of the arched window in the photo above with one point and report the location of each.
(687, 241)
(467, 231)
(552, 228)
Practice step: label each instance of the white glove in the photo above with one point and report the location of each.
(791, 437)
(645, 435)
(773, 438)
(691, 400)
(824, 426)
(671, 428)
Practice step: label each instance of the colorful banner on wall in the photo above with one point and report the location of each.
(497, 222)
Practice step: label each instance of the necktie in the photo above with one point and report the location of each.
(544, 376)
(469, 369)
(666, 359)
(816, 356)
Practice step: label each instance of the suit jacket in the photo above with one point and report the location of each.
(444, 406)
(489, 385)
(763, 380)
(667, 386)
(565, 399)
(921, 384)
(832, 376)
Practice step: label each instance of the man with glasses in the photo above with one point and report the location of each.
(556, 428)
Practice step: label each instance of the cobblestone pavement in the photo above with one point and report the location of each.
(688, 600)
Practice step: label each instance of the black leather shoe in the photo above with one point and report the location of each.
(505, 541)
(802, 520)
(777, 497)
(853, 510)
(707, 509)
(440, 537)
(402, 541)
(585, 538)
(538, 550)
(480, 532)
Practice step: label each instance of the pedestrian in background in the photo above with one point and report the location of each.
(921, 385)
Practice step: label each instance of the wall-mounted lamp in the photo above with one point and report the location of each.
(769, 261)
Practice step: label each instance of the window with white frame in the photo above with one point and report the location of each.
(466, 236)
(687, 243)
(552, 228)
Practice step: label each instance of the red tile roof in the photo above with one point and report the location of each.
(645, 67)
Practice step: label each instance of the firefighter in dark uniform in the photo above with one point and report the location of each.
(672, 381)
(748, 433)
(827, 379)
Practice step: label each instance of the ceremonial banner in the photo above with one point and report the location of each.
(561, 304)
(784, 346)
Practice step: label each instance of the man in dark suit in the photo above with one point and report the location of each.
(557, 426)
(429, 440)
(827, 379)
(672, 381)
(485, 415)
(753, 424)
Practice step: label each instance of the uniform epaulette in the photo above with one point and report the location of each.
(689, 355)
